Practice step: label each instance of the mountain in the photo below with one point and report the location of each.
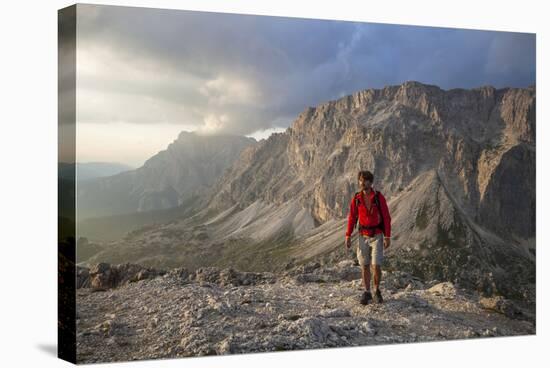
(91, 170)
(481, 141)
(184, 169)
(457, 167)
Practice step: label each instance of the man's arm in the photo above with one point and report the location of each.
(352, 217)
(385, 216)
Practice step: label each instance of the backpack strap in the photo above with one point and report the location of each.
(377, 201)
(356, 199)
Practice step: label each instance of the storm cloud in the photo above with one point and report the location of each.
(239, 74)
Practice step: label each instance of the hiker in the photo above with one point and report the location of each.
(370, 208)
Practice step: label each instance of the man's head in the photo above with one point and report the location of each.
(365, 179)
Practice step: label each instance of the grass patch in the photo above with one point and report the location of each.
(246, 255)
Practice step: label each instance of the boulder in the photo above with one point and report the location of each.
(501, 305)
(444, 289)
(102, 276)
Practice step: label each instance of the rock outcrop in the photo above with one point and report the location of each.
(103, 276)
(481, 142)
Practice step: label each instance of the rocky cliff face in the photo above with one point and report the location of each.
(480, 141)
(457, 168)
(188, 165)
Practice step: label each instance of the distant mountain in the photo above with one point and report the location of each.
(91, 170)
(186, 168)
(457, 167)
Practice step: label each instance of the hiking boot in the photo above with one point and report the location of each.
(366, 297)
(378, 297)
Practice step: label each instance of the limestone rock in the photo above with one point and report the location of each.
(501, 305)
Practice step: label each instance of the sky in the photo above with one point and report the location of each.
(144, 74)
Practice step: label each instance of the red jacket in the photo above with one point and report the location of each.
(371, 218)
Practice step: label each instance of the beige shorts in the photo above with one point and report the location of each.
(370, 249)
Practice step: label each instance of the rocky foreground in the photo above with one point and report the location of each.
(126, 312)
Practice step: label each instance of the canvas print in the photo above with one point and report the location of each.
(233, 183)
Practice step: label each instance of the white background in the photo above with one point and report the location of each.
(28, 111)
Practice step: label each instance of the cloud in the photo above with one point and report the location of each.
(265, 133)
(511, 57)
(244, 74)
(225, 90)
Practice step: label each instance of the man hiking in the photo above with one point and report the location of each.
(374, 230)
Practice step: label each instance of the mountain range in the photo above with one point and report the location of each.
(457, 167)
(188, 165)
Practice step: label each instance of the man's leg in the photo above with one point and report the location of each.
(376, 275)
(365, 274)
(377, 258)
(363, 257)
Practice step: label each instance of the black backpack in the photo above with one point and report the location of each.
(380, 225)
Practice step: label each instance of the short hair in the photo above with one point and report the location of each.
(365, 174)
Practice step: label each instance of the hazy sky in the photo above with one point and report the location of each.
(143, 75)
